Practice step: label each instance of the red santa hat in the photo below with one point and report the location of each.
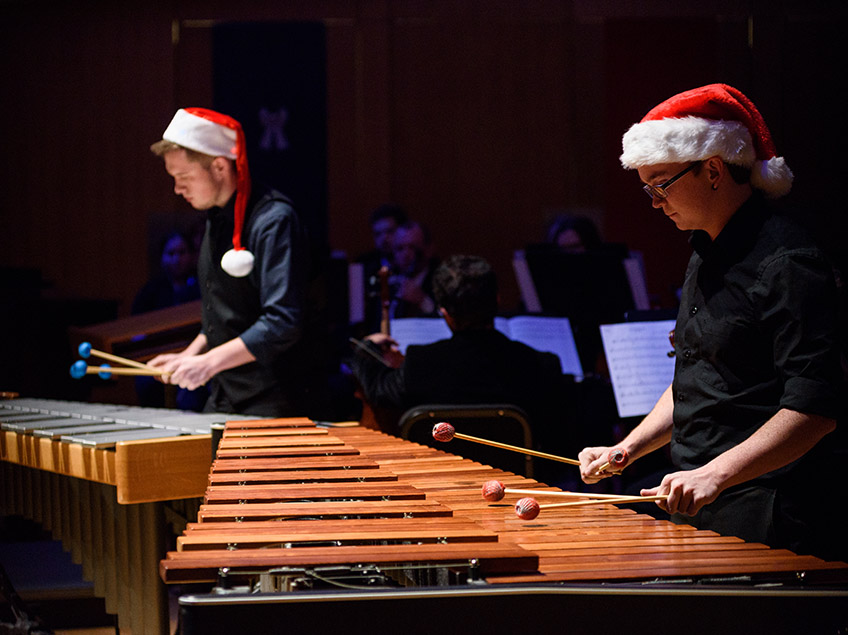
(217, 135)
(714, 120)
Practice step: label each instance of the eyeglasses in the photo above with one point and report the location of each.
(659, 191)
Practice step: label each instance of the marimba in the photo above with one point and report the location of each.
(311, 512)
(107, 481)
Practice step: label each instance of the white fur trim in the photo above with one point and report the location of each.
(686, 139)
(201, 135)
(773, 177)
(237, 263)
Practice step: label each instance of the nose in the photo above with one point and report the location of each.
(657, 202)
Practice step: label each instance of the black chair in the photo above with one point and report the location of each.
(504, 423)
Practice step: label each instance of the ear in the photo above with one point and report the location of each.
(715, 169)
(219, 166)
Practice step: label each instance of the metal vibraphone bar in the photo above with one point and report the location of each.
(287, 513)
(98, 476)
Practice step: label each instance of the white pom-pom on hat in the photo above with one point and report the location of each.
(237, 263)
(713, 120)
(219, 135)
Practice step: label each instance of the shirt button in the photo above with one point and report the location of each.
(687, 353)
(693, 310)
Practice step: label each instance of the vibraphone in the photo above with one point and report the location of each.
(97, 477)
(291, 518)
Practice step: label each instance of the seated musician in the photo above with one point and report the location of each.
(478, 364)
(413, 266)
(384, 222)
(754, 399)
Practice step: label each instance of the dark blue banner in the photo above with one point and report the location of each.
(271, 77)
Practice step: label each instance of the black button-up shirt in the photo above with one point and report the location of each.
(756, 332)
(266, 308)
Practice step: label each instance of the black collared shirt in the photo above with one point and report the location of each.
(756, 332)
(266, 308)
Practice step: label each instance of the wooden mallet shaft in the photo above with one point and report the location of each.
(96, 370)
(610, 501)
(515, 448)
(126, 362)
(543, 492)
(85, 350)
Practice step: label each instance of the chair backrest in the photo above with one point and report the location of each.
(504, 423)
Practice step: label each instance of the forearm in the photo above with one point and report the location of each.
(382, 386)
(654, 431)
(228, 355)
(784, 438)
(787, 436)
(198, 346)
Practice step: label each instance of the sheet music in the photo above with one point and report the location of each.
(639, 365)
(406, 331)
(547, 334)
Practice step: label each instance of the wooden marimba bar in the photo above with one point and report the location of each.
(282, 505)
(98, 476)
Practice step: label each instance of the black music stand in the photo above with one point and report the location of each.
(587, 287)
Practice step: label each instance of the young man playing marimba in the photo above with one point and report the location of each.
(253, 268)
(757, 381)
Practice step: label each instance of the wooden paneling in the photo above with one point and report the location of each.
(481, 116)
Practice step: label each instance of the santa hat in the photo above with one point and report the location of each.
(714, 120)
(217, 135)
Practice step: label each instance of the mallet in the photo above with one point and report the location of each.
(445, 432)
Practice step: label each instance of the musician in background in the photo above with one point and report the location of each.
(254, 273)
(411, 281)
(478, 364)
(384, 221)
(574, 234)
(756, 384)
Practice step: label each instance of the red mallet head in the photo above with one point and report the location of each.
(617, 458)
(443, 431)
(493, 491)
(527, 508)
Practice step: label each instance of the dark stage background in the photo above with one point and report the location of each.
(484, 118)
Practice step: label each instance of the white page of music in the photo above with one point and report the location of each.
(406, 331)
(546, 334)
(639, 365)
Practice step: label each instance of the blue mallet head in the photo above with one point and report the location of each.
(84, 350)
(78, 369)
(105, 371)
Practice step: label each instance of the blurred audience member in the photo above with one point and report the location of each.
(176, 281)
